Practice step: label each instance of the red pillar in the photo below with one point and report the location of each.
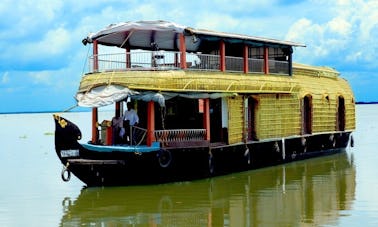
(150, 122)
(117, 109)
(206, 118)
(95, 56)
(128, 58)
(94, 125)
(183, 51)
(245, 59)
(94, 110)
(109, 135)
(266, 60)
(222, 53)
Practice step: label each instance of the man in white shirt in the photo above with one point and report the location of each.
(130, 118)
(131, 115)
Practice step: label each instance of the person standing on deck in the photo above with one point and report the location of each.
(130, 118)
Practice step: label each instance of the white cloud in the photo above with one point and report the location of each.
(5, 78)
(25, 18)
(42, 77)
(54, 42)
(340, 26)
(346, 34)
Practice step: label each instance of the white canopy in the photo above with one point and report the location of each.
(103, 96)
(106, 95)
(141, 34)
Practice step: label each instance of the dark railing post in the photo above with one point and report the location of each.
(128, 58)
(95, 56)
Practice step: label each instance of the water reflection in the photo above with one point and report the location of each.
(311, 192)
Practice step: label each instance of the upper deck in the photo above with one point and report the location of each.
(160, 45)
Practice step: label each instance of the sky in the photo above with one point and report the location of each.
(42, 57)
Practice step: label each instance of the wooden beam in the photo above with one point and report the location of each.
(150, 122)
(128, 58)
(266, 60)
(245, 59)
(94, 125)
(206, 118)
(222, 53)
(183, 52)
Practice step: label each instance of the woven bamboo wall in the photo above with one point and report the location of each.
(325, 91)
(324, 113)
(235, 119)
(280, 115)
(277, 116)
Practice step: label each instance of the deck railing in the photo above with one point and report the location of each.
(179, 135)
(170, 60)
(138, 135)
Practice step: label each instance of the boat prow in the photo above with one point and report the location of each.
(67, 135)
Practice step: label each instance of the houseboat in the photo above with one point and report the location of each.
(205, 103)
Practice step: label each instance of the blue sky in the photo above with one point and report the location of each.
(42, 57)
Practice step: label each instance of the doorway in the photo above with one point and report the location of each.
(341, 114)
(307, 115)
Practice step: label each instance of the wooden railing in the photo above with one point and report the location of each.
(170, 60)
(178, 135)
(138, 135)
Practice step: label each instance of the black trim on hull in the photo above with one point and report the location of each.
(181, 164)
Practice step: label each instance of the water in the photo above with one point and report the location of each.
(338, 190)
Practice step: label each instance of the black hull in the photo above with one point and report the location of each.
(181, 164)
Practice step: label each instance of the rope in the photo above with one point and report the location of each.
(85, 62)
(70, 108)
(98, 76)
(127, 38)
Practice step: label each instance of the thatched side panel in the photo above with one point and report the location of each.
(235, 119)
(278, 115)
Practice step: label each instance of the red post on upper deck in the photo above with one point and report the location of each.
(222, 53)
(128, 58)
(245, 59)
(150, 122)
(94, 125)
(206, 118)
(266, 60)
(183, 51)
(95, 56)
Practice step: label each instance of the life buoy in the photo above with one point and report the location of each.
(164, 158)
(66, 177)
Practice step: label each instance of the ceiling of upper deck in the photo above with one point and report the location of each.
(164, 35)
(142, 35)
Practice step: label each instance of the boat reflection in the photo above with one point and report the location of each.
(309, 192)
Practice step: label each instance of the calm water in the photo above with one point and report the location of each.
(339, 190)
